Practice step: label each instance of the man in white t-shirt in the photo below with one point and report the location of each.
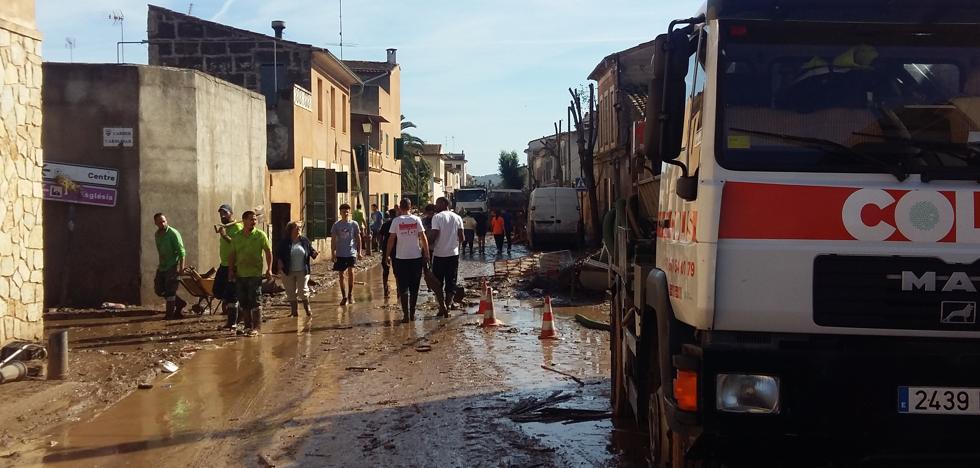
(447, 236)
(411, 250)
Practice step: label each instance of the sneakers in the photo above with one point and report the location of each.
(343, 301)
(252, 332)
(350, 300)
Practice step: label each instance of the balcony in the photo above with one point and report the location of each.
(375, 160)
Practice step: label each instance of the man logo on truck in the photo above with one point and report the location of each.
(928, 281)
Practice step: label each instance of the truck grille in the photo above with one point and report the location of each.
(918, 293)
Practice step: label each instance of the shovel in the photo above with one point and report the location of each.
(435, 286)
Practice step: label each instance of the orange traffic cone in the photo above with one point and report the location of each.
(484, 300)
(548, 331)
(488, 319)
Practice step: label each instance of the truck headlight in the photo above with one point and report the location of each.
(746, 393)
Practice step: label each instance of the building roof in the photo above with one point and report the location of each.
(430, 149)
(610, 60)
(365, 66)
(456, 156)
(219, 31)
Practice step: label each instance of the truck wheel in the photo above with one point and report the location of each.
(657, 429)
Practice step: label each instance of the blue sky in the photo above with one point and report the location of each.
(478, 76)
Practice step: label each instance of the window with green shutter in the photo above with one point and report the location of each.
(316, 215)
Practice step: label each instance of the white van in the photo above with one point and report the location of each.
(554, 215)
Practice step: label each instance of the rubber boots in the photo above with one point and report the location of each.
(306, 307)
(179, 307)
(293, 309)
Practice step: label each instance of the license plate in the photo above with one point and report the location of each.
(939, 400)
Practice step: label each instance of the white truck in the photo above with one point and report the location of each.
(810, 288)
(472, 199)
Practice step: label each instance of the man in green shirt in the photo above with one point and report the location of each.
(246, 270)
(224, 289)
(170, 248)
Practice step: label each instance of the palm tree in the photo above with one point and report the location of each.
(415, 174)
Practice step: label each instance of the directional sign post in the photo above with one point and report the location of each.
(85, 195)
(94, 184)
(81, 174)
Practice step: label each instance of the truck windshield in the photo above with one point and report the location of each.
(471, 195)
(849, 98)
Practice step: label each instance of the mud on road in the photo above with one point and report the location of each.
(353, 387)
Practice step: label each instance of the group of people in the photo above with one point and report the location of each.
(245, 254)
(410, 244)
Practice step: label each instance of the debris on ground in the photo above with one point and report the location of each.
(168, 366)
(532, 409)
(576, 379)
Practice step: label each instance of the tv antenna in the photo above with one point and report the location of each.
(340, 4)
(190, 8)
(70, 45)
(117, 18)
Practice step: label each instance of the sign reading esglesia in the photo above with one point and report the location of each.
(775, 211)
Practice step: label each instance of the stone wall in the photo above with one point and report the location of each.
(21, 241)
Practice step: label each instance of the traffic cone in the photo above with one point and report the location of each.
(548, 331)
(488, 319)
(484, 299)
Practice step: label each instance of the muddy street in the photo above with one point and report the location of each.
(352, 386)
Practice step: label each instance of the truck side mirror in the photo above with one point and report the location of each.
(678, 53)
(654, 109)
(687, 187)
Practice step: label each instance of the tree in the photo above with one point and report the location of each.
(416, 173)
(510, 170)
(586, 136)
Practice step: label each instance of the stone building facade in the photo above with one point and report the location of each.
(21, 241)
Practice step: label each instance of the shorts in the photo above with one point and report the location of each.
(165, 282)
(223, 289)
(344, 263)
(249, 290)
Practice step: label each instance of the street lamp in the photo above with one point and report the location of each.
(418, 179)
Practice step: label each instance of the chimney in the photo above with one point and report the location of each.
(391, 56)
(278, 26)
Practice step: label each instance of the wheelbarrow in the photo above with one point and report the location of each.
(202, 289)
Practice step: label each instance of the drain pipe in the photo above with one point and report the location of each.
(13, 371)
(58, 355)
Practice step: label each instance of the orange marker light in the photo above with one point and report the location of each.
(686, 390)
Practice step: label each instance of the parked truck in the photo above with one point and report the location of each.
(472, 199)
(809, 283)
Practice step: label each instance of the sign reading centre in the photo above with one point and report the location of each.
(81, 174)
(88, 185)
(117, 136)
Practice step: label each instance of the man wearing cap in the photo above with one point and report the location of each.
(224, 289)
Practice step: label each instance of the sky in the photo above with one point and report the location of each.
(477, 76)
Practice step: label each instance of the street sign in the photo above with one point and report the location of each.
(81, 174)
(117, 136)
(86, 195)
(580, 184)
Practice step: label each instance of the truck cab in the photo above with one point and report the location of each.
(815, 260)
(472, 199)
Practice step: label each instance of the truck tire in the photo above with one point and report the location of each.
(666, 448)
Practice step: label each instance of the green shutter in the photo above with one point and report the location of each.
(315, 202)
(399, 148)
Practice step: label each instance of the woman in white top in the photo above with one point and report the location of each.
(411, 254)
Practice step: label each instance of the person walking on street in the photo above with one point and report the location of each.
(170, 249)
(447, 236)
(498, 228)
(427, 214)
(377, 219)
(345, 245)
(358, 216)
(294, 253)
(382, 245)
(409, 250)
(245, 268)
(481, 230)
(469, 232)
(508, 227)
(224, 289)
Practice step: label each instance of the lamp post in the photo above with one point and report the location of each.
(418, 179)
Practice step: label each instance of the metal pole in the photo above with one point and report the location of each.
(58, 355)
